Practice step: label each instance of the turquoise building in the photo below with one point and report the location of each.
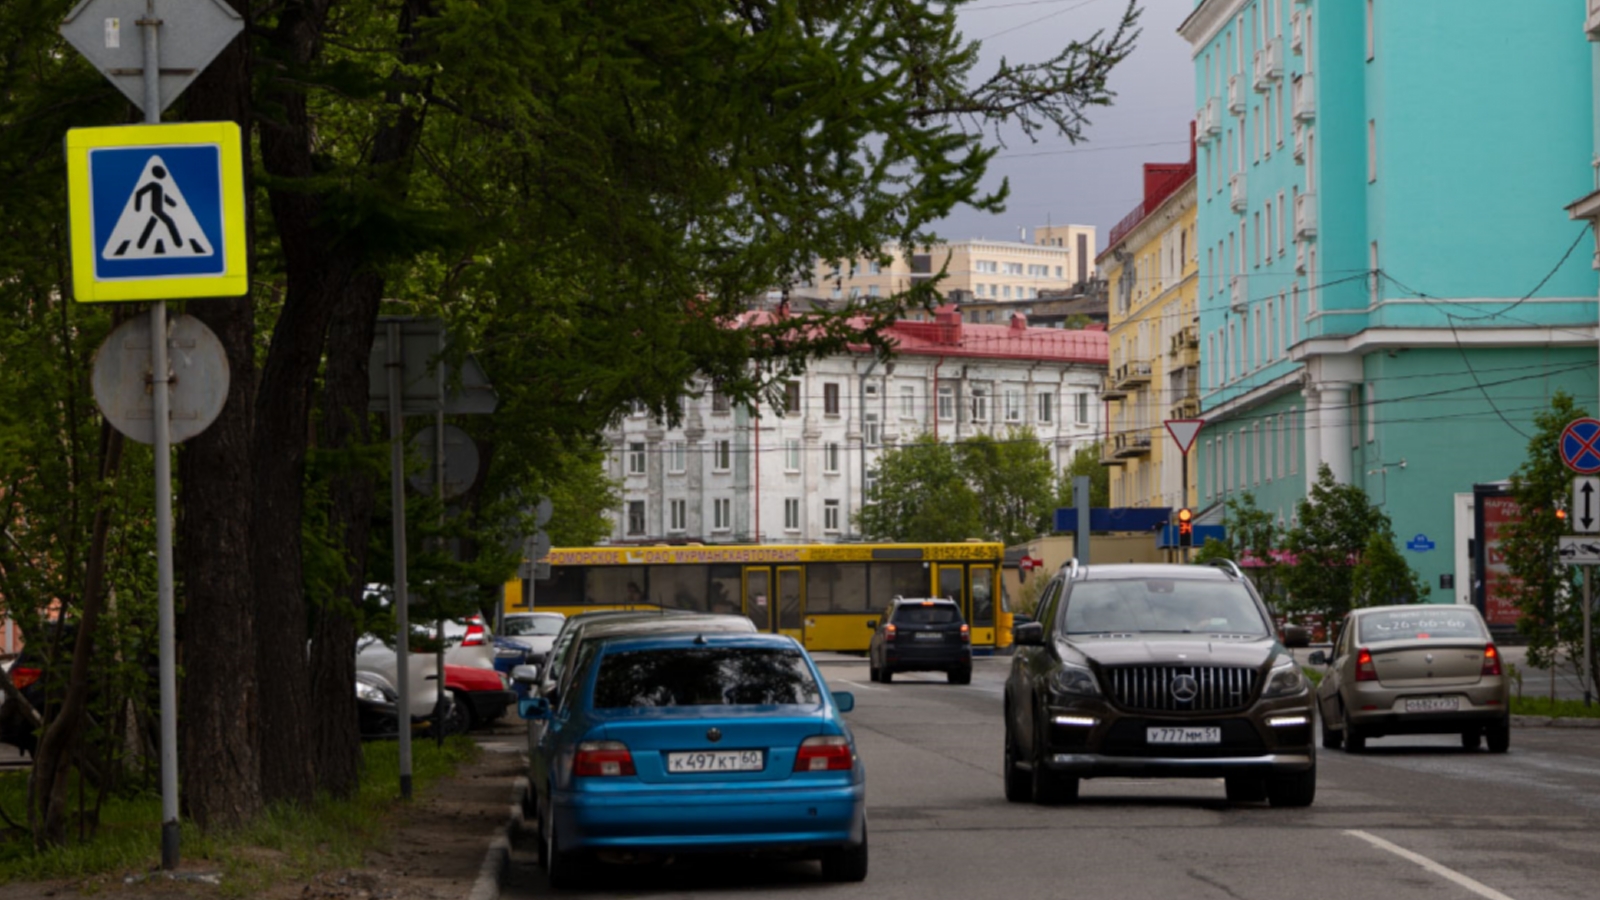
(1392, 282)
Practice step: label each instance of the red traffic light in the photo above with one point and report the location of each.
(1185, 527)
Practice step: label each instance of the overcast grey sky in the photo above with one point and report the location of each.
(1097, 181)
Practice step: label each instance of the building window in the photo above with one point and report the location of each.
(980, 404)
(1013, 405)
(636, 458)
(722, 456)
(908, 401)
(677, 457)
(1047, 408)
(791, 398)
(1370, 42)
(947, 402)
(678, 515)
(1083, 409)
(720, 402)
(791, 514)
(1372, 279)
(830, 516)
(1372, 151)
(791, 455)
(635, 517)
(870, 431)
(830, 399)
(721, 514)
(830, 459)
(870, 484)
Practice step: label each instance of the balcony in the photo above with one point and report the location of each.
(1305, 217)
(1208, 121)
(1300, 255)
(1238, 196)
(1305, 98)
(1300, 142)
(1128, 446)
(1268, 65)
(1188, 336)
(1187, 408)
(1238, 295)
(1109, 389)
(1235, 95)
(1592, 23)
(1297, 30)
(1133, 374)
(1108, 452)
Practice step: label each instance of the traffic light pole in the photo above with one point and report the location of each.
(1183, 548)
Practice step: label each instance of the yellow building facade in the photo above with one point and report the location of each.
(1151, 267)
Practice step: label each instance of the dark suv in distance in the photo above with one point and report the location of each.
(921, 635)
(1160, 671)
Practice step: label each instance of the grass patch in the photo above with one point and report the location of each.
(1544, 706)
(285, 842)
(1312, 675)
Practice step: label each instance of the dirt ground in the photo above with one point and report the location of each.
(435, 852)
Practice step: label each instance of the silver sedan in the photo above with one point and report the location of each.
(1420, 669)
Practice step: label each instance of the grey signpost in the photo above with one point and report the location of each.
(152, 79)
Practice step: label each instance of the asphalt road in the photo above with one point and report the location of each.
(1411, 818)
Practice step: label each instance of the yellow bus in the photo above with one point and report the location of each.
(824, 595)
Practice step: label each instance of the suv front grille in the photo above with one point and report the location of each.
(1180, 688)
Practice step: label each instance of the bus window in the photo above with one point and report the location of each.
(564, 587)
(679, 587)
(896, 579)
(950, 582)
(617, 585)
(723, 593)
(982, 597)
(836, 587)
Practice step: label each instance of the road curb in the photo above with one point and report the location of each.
(1553, 722)
(498, 858)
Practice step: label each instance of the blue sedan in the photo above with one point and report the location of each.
(686, 743)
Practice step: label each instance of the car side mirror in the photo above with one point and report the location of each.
(534, 708)
(872, 624)
(1317, 658)
(1296, 636)
(845, 700)
(1029, 634)
(1021, 619)
(525, 675)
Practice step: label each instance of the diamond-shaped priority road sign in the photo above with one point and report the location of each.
(1183, 431)
(192, 33)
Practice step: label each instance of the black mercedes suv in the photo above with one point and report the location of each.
(921, 635)
(1160, 671)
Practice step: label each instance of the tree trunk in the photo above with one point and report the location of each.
(218, 765)
(345, 425)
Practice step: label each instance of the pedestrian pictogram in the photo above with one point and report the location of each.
(157, 211)
(156, 221)
(1580, 446)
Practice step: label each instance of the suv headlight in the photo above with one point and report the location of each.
(1077, 680)
(1284, 680)
(369, 692)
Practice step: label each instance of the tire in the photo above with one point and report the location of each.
(458, 714)
(1332, 738)
(959, 676)
(873, 674)
(1471, 739)
(1019, 784)
(847, 863)
(1245, 789)
(564, 868)
(1354, 742)
(1049, 788)
(886, 675)
(1499, 737)
(1296, 789)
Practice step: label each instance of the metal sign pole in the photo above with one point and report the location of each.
(1588, 635)
(150, 28)
(397, 495)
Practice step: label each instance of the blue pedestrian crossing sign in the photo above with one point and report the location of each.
(1580, 446)
(157, 212)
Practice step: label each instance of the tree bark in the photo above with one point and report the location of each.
(218, 766)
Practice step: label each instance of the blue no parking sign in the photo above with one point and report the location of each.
(1580, 446)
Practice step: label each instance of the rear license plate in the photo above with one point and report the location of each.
(1433, 704)
(716, 761)
(1204, 735)
(929, 636)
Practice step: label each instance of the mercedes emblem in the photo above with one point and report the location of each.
(1184, 688)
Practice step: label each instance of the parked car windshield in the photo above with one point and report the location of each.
(937, 614)
(531, 626)
(1162, 605)
(704, 676)
(1422, 623)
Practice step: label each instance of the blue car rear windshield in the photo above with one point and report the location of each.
(704, 676)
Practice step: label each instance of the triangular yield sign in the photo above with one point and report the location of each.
(1183, 431)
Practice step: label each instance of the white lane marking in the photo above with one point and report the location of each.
(1471, 884)
(864, 687)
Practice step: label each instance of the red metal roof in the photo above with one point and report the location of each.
(948, 336)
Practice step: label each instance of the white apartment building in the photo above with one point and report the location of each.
(798, 474)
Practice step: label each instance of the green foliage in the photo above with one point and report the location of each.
(1086, 461)
(921, 494)
(1544, 589)
(1383, 576)
(1012, 480)
(1252, 535)
(1335, 524)
(1544, 706)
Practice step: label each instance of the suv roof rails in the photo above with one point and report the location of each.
(1072, 567)
(1230, 565)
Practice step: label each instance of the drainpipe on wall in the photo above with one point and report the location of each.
(861, 423)
(933, 401)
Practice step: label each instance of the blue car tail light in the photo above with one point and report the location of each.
(824, 753)
(602, 759)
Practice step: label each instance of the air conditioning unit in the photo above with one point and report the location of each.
(1238, 196)
(1305, 216)
(1235, 95)
(1305, 98)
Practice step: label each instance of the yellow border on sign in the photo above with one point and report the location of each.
(235, 279)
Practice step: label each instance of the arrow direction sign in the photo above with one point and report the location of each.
(1584, 514)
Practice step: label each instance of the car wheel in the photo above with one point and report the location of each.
(847, 863)
(564, 868)
(1354, 741)
(1332, 738)
(1019, 789)
(1050, 788)
(457, 714)
(886, 674)
(1294, 789)
(1471, 739)
(873, 673)
(1499, 737)
(1245, 789)
(959, 676)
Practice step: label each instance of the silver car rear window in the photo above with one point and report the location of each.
(1419, 624)
(704, 676)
